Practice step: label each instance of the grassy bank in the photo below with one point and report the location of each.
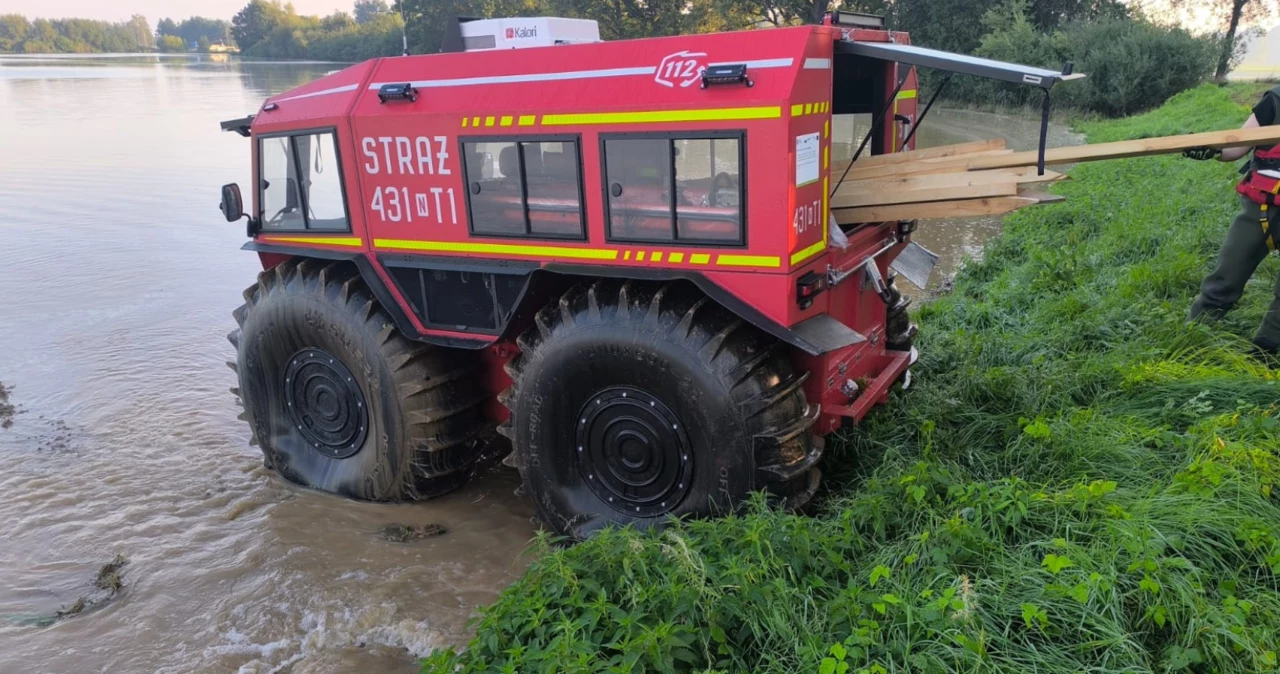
(1078, 481)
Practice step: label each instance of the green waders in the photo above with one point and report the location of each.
(1245, 248)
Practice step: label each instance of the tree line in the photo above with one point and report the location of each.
(269, 28)
(1135, 55)
(41, 36)
(197, 32)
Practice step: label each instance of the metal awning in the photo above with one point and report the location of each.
(956, 63)
(240, 126)
(964, 65)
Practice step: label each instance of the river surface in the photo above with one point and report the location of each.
(117, 281)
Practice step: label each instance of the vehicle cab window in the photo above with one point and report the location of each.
(524, 187)
(675, 188)
(300, 182)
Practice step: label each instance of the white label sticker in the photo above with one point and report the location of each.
(808, 150)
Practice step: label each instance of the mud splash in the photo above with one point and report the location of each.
(7, 409)
(404, 533)
(106, 583)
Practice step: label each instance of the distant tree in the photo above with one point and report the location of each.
(203, 44)
(171, 43)
(791, 12)
(337, 21)
(1232, 13)
(42, 30)
(367, 10)
(426, 19)
(1046, 15)
(166, 27)
(140, 29)
(257, 20)
(13, 31)
(952, 25)
(198, 27)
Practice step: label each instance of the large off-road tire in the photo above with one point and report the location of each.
(339, 400)
(633, 403)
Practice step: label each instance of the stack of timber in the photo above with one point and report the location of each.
(986, 178)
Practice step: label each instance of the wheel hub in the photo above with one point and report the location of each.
(325, 404)
(633, 451)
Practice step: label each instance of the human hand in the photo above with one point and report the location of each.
(1201, 153)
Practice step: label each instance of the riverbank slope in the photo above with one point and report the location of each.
(1077, 480)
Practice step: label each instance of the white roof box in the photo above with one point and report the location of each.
(542, 31)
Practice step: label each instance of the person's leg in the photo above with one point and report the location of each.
(1243, 250)
(1268, 337)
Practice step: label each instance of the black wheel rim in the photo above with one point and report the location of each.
(633, 452)
(325, 404)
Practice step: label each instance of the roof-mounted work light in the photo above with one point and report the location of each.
(726, 73)
(857, 20)
(397, 92)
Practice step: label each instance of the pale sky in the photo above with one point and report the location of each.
(154, 10)
(120, 10)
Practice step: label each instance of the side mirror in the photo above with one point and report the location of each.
(232, 205)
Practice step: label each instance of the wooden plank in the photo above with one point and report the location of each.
(920, 196)
(1266, 135)
(1022, 175)
(938, 152)
(1042, 197)
(924, 166)
(938, 209)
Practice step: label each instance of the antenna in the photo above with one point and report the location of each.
(404, 33)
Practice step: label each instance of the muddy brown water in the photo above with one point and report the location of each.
(117, 279)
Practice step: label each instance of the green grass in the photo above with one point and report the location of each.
(1078, 481)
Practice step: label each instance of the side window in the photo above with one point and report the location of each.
(638, 176)
(686, 189)
(280, 202)
(301, 183)
(524, 188)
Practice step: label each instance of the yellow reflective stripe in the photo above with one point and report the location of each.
(527, 120)
(506, 120)
(797, 109)
(748, 261)
(656, 257)
(475, 121)
(826, 156)
(676, 257)
(659, 116)
(699, 258)
(640, 256)
(808, 108)
(497, 249)
(464, 122)
(626, 255)
(906, 93)
(354, 242)
(826, 129)
(488, 121)
(802, 255)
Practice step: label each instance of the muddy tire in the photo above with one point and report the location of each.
(634, 403)
(339, 400)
